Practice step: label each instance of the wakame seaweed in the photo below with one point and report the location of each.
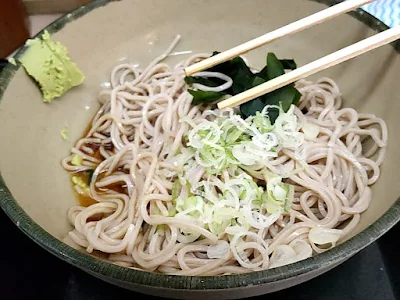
(244, 79)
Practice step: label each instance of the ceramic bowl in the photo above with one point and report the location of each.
(36, 193)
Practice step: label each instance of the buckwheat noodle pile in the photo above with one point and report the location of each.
(170, 197)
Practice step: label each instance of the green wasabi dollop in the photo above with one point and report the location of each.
(48, 63)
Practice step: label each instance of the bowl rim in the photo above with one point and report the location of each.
(106, 270)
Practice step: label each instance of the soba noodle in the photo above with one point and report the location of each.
(143, 148)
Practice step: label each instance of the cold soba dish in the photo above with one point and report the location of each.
(177, 186)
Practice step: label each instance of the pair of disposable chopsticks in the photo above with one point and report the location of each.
(323, 63)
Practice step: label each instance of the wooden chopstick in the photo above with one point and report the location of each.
(325, 62)
(294, 27)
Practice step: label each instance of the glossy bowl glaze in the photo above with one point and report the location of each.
(36, 193)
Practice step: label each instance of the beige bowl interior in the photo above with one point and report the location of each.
(136, 32)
